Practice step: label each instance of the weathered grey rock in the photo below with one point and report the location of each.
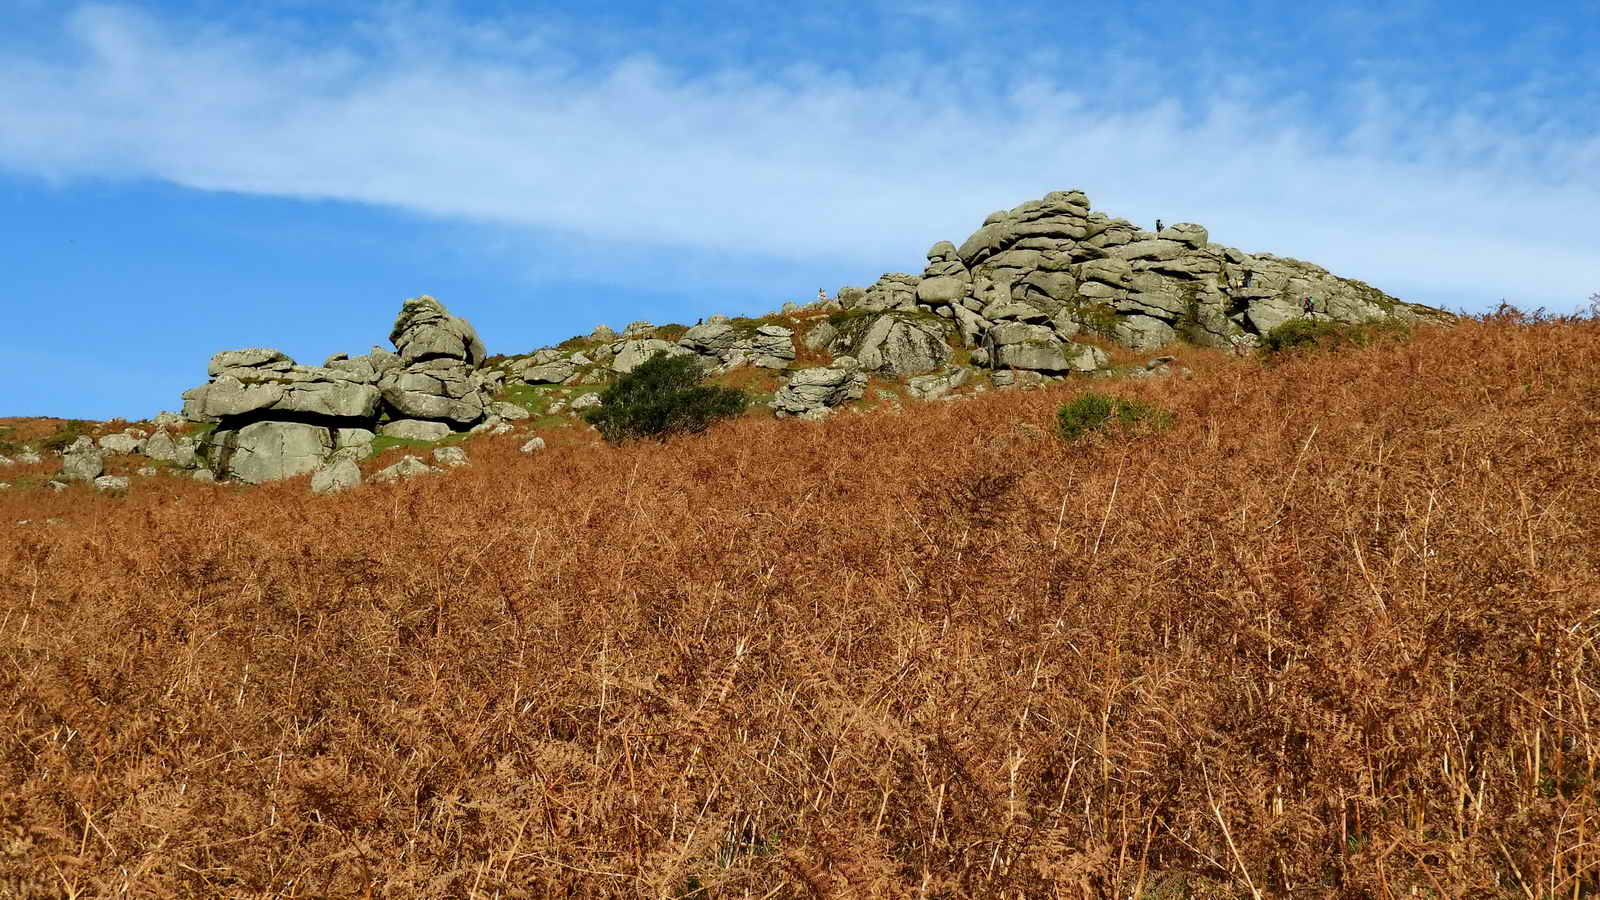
(442, 390)
(1143, 332)
(29, 456)
(82, 461)
(510, 411)
(534, 445)
(248, 358)
(893, 291)
(368, 368)
(353, 438)
(1186, 233)
(602, 333)
(635, 353)
(770, 346)
(111, 483)
(268, 451)
(1019, 380)
(7, 461)
(820, 387)
(166, 419)
(425, 330)
(932, 387)
(1268, 313)
(555, 372)
(56, 486)
(205, 476)
(710, 338)
(583, 402)
(415, 430)
(450, 457)
(896, 343)
(942, 290)
(407, 467)
(148, 472)
(120, 443)
(335, 476)
(1052, 355)
(820, 335)
(638, 330)
(1004, 333)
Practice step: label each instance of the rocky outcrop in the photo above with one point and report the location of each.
(276, 418)
(729, 345)
(439, 380)
(815, 392)
(1056, 263)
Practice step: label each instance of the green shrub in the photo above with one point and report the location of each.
(1091, 412)
(1305, 333)
(664, 396)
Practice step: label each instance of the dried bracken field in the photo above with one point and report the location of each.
(1332, 633)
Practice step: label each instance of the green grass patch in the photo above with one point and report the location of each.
(1093, 412)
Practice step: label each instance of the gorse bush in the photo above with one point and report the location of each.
(665, 395)
(1091, 412)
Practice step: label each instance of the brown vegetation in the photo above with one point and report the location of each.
(1332, 633)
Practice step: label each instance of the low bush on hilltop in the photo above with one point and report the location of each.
(1333, 633)
(1325, 334)
(1091, 412)
(665, 395)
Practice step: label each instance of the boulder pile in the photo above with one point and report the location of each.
(277, 419)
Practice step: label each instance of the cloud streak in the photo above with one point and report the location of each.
(1433, 197)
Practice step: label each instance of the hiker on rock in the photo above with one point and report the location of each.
(822, 296)
(1248, 274)
(1158, 226)
(1311, 306)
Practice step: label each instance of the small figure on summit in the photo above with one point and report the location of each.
(1311, 306)
(1158, 226)
(822, 296)
(1248, 275)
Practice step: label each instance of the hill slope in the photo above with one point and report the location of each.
(1332, 631)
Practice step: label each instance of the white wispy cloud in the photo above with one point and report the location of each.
(1434, 197)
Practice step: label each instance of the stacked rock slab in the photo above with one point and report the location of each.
(1063, 270)
(277, 419)
(438, 379)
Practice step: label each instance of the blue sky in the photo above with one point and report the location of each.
(183, 177)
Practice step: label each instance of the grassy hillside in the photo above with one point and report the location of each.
(1331, 632)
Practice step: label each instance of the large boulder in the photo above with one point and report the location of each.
(338, 474)
(267, 451)
(82, 461)
(440, 389)
(163, 447)
(415, 430)
(894, 290)
(425, 330)
(896, 343)
(634, 353)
